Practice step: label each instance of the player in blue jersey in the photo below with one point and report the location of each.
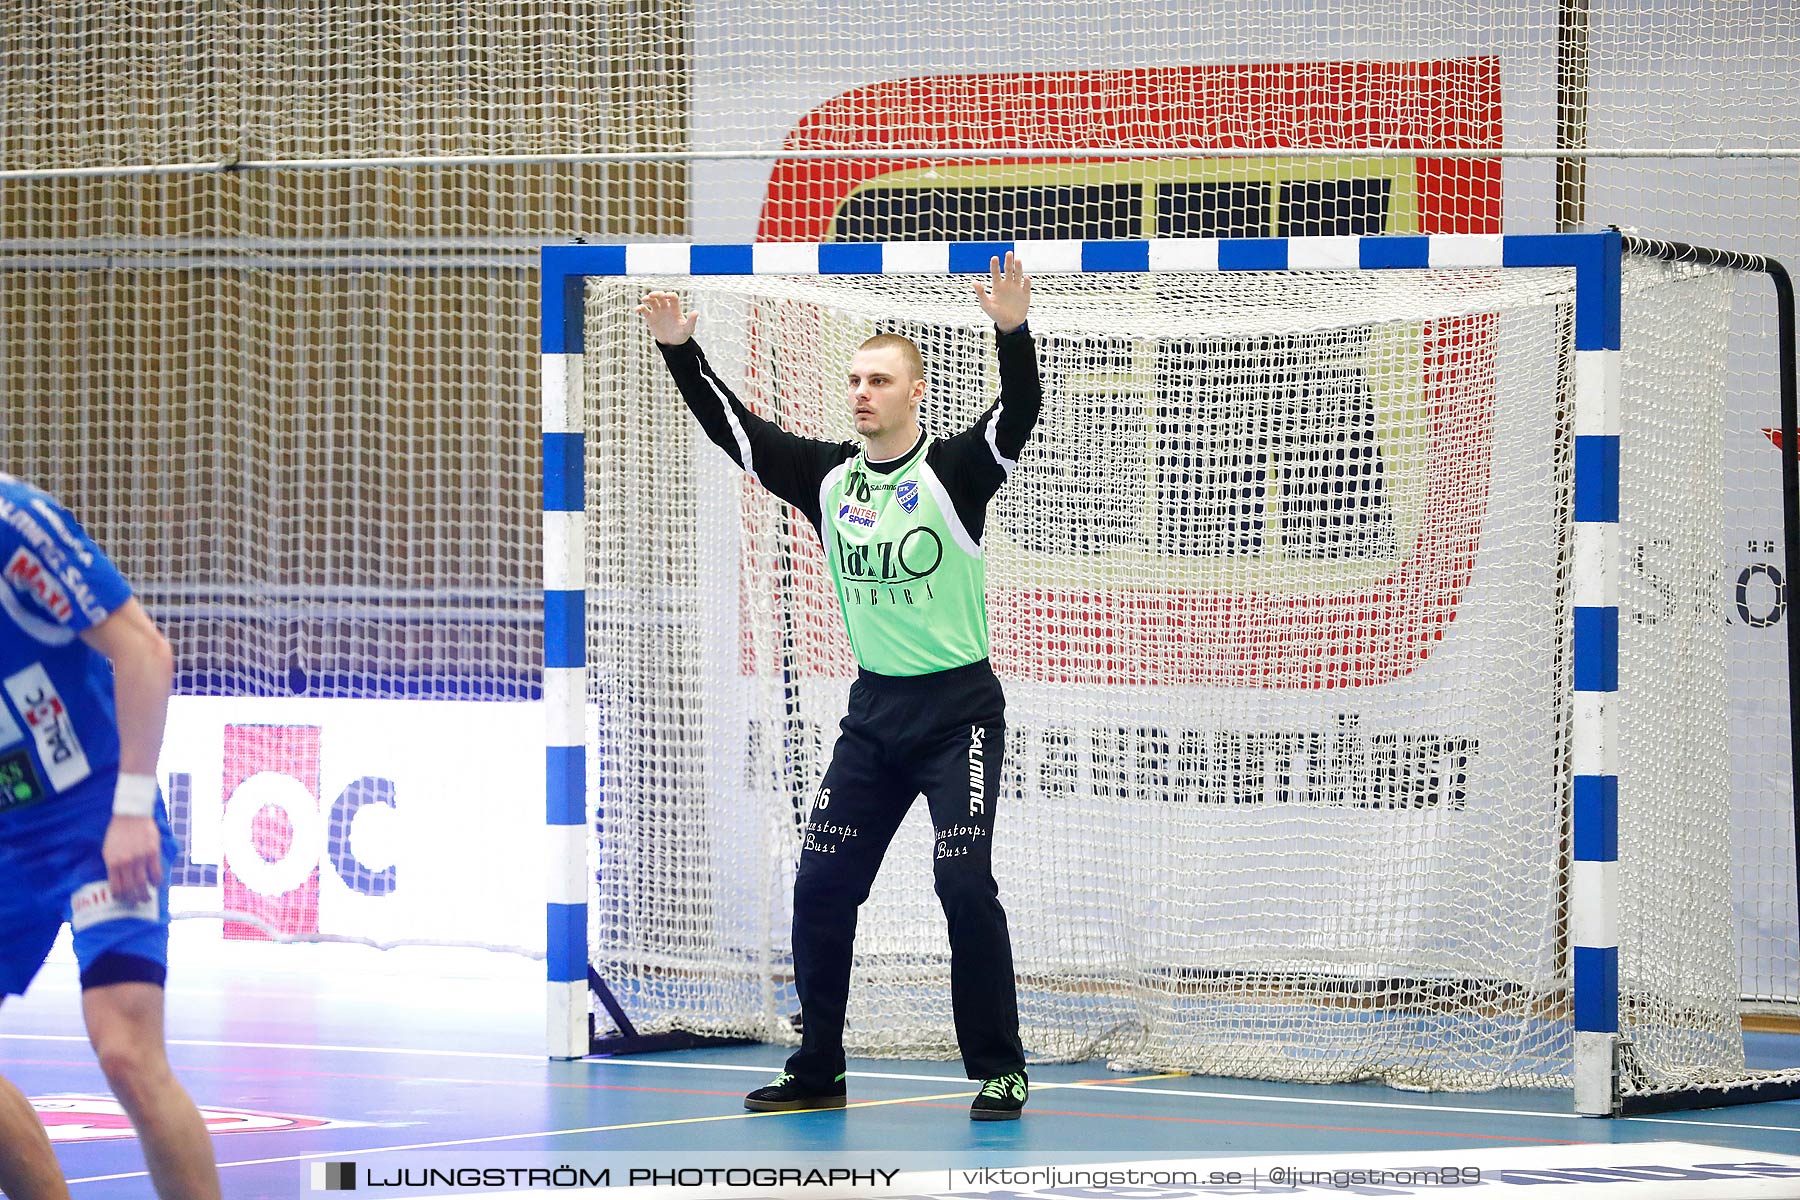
(85, 677)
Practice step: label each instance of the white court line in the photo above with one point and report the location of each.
(909, 1077)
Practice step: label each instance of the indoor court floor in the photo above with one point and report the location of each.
(306, 1055)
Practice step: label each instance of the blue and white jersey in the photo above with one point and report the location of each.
(59, 738)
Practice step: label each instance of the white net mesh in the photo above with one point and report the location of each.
(1277, 593)
(1677, 833)
(276, 91)
(319, 518)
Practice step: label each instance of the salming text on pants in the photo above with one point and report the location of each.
(943, 735)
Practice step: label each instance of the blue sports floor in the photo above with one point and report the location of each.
(334, 1054)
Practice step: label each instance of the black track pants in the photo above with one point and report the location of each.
(942, 735)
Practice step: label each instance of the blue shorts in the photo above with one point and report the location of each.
(49, 876)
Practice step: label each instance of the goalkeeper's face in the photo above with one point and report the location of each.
(884, 392)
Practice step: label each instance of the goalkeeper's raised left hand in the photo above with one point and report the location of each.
(1008, 294)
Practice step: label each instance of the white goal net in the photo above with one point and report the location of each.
(286, 253)
(1278, 593)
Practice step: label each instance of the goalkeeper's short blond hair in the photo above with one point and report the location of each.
(909, 350)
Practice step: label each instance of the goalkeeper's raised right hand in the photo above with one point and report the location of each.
(662, 312)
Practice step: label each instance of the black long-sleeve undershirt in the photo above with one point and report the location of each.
(971, 464)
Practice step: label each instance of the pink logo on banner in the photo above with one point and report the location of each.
(271, 782)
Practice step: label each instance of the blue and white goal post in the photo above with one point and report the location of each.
(1592, 637)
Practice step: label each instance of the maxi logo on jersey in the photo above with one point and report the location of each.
(63, 556)
(37, 700)
(26, 573)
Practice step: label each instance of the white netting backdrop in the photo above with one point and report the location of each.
(319, 351)
(1277, 594)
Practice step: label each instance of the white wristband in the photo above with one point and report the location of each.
(134, 796)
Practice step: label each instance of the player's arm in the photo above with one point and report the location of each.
(1007, 301)
(974, 463)
(788, 465)
(143, 676)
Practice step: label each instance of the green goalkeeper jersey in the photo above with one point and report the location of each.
(910, 579)
(902, 537)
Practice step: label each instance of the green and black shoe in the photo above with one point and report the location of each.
(786, 1094)
(1001, 1098)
